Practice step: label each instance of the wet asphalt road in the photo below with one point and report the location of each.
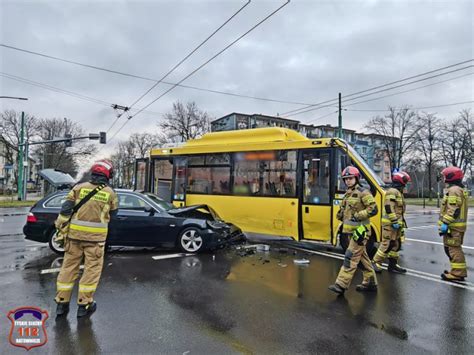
(261, 303)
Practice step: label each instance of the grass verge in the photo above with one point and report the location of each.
(432, 203)
(9, 203)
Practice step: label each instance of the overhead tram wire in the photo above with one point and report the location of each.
(55, 89)
(412, 108)
(220, 92)
(191, 53)
(63, 91)
(380, 86)
(393, 87)
(409, 90)
(204, 64)
(177, 65)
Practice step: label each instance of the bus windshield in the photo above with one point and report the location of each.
(362, 162)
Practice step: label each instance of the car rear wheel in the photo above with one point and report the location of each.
(190, 240)
(58, 249)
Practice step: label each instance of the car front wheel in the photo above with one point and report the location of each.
(190, 240)
(58, 249)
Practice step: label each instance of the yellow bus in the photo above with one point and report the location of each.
(272, 182)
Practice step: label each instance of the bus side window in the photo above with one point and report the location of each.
(316, 177)
(209, 174)
(342, 162)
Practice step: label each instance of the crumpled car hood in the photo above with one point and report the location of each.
(195, 211)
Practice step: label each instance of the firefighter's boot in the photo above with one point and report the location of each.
(86, 310)
(337, 289)
(62, 309)
(394, 267)
(370, 287)
(447, 276)
(377, 267)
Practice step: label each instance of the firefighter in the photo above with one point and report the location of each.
(357, 206)
(393, 224)
(452, 223)
(86, 232)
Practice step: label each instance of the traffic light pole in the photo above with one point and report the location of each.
(340, 118)
(23, 152)
(19, 182)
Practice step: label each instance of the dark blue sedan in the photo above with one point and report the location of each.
(144, 220)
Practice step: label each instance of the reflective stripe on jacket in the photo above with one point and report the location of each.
(394, 207)
(359, 204)
(453, 210)
(90, 223)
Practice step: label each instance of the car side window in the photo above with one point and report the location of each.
(56, 201)
(131, 202)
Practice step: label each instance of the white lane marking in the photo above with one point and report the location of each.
(415, 273)
(437, 243)
(169, 256)
(422, 227)
(57, 269)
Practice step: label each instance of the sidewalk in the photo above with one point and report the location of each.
(418, 209)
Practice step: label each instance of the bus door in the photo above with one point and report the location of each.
(141, 174)
(316, 204)
(162, 177)
(180, 181)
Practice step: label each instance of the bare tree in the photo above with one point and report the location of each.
(428, 145)
(185, 122)
(56, 155)
(143, 142)
(10, 132)
(399, 127)
(456, 141)
(137, 146)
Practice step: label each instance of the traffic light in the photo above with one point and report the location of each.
(102, 137)
(68, 142)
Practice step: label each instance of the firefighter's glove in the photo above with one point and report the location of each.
(395, 226)
(443, 229)
(59, 238)
(359, 235)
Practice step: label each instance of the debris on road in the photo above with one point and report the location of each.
(301, 261)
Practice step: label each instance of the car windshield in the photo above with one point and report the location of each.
(166, 206)
(362, 162)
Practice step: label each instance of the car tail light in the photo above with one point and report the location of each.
(31, 218)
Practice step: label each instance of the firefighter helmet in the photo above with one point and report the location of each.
(351, 171)
(452, 173)
(103, 167)
(401, 177)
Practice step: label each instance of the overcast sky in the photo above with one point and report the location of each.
(307, 52)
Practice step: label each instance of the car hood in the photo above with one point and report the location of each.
(57, 178)
(190, 210)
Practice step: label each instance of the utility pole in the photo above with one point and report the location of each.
(19, 185)
(340, 118)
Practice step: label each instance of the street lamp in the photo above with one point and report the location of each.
(13, 98)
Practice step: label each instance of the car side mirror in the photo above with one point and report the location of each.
(150, 210)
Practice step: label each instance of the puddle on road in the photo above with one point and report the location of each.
(389, 329)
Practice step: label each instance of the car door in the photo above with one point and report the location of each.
(135, 225)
